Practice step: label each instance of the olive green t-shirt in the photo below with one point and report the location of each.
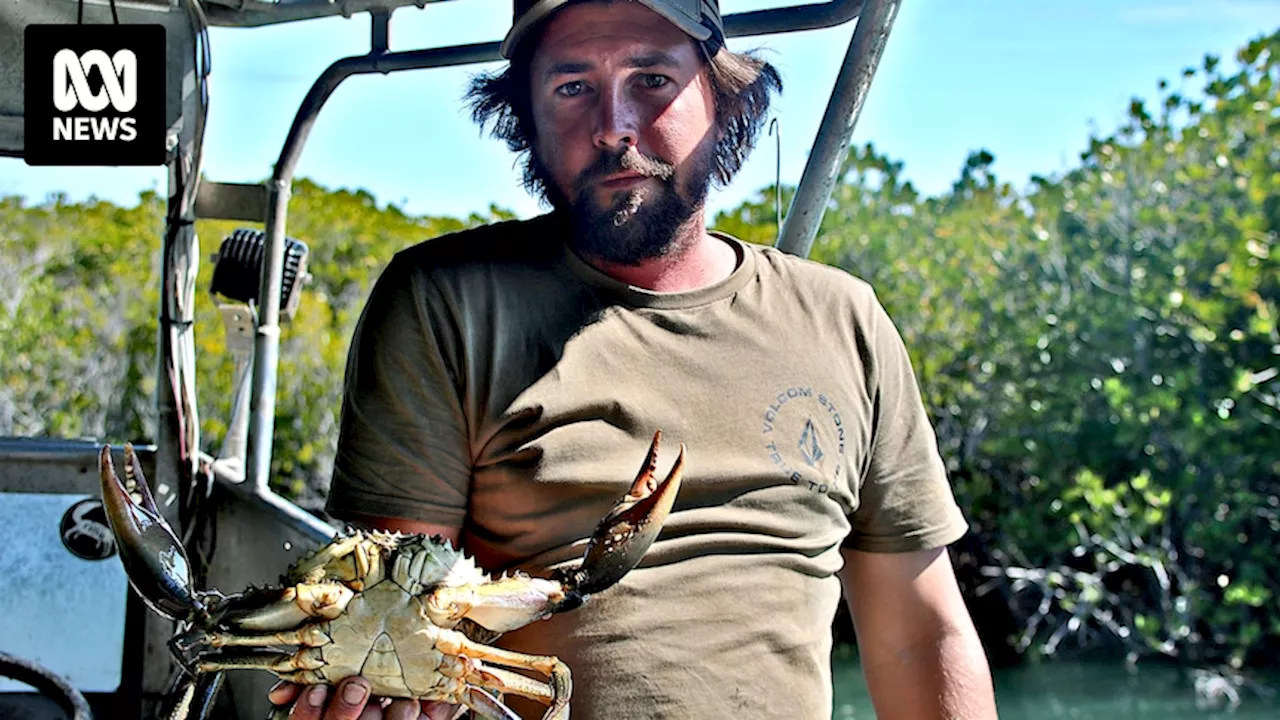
(498, 383)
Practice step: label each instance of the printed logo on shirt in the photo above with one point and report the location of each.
(804, 436)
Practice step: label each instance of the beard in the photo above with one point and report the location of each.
(640, 223)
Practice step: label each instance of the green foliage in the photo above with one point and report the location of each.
(78, 292)
(351, 239)
(1101, 359)
(79, 298)
(1099, 352)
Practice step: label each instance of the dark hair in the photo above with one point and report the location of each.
(740, 82)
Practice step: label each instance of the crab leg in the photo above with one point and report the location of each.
(299, 667)
(557, 691)
(349, 560)
(510, 683)
(616, 547)
(153, 557)
(486, 706)
(284, 608)
(625, 534)
(306, 636)
(500, 606)
(191, 697)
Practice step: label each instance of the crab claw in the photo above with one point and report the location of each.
(153, 557)
(625, 534)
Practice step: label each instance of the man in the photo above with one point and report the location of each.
(504, 382)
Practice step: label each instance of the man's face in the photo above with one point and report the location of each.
(625, 120)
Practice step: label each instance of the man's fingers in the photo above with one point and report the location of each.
(440, 711)
(284, 692)
(350, 700)
(402, 710)
(310, 702)
(347, 700)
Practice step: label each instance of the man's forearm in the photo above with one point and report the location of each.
(943, 676)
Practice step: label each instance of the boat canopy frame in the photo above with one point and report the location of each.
(182, 471)
(798, 231)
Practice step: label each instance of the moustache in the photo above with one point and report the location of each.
(629, 160)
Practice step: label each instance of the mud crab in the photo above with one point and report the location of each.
(410, 613)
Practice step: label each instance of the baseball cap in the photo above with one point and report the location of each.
(699, 18)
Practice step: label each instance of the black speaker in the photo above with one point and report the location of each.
(239, 268)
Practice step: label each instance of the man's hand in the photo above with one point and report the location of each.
(351, 700)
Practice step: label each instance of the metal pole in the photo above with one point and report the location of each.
(831, 144)
(172, 478)
(380, 62)
(266, 344)
(809, 16)
(791, 19)
(267, 339)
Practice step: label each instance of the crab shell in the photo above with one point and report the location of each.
(409, 613)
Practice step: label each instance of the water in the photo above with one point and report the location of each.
(1084, 691)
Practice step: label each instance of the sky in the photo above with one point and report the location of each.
(1028, 80)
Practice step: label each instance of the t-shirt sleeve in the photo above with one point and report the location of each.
(403, 444)
(905, 500)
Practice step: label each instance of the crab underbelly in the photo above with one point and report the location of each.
(385, 637)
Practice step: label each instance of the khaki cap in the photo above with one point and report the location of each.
(699, 18)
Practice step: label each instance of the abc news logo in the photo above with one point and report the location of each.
(94, 95)
(71, 90)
